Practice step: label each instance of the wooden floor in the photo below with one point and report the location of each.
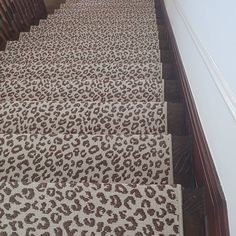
(52, 4)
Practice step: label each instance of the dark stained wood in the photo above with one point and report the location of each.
(176, 119)
(172, 91)
(168, 71)
(51, 5)
(216, 223)
(166, 56)
(182, 161)
(193, 208)
(17, 16)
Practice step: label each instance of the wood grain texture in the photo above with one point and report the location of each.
(182, 161)
(16, 16)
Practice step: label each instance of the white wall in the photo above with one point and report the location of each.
(206, 35)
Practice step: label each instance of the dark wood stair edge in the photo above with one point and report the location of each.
(172, 91)
(176, 124)
(205, 174)
(182, 161)
(193, 209)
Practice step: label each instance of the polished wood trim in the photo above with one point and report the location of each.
(205, 172)
(193, 212)
(17, 15)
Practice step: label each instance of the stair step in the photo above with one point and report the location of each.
(91, 3)
(98, 90)
(100, 21)
(121, 10)
(143, 159)
(83, 118)
(81, 72)
(101, 14)
(102, 7)
(117, 4)
(81, 57)
(97, 42)
(100, 18)
(82, 29)
(92, 118)
(78, 26)
(84, 36)
(118, 11)
(91, 209)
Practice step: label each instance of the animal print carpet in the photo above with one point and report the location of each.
(73, 55)
(89, 209)
(83, 118)
(96, 90)
(125, 71)
(141, 159)
(84, 143)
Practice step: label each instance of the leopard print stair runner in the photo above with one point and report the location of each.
(89, 30)
(90, 209)
(137, 71)
(84, 142)
(83, 118)
(91, 20)
(96, 90)
(107, 2)
(65, 42)
(78, 26)
(143, 159)
(77, 56)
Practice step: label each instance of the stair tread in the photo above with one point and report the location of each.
(144, 159)
(83, 118)
(111, 21)
(83, 36)
(92, 26)
(135, 71)
(99, 90)
(82, 29)
(101, 14)
(67, 42)
(142, 9)
(112, 12)
(123, 7)
(81, 57)
(108, 3)
(92, 208)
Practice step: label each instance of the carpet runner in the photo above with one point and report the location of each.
(84, 142)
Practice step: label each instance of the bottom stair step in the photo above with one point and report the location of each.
(90, 209)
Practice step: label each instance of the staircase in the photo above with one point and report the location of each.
(92, 128)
